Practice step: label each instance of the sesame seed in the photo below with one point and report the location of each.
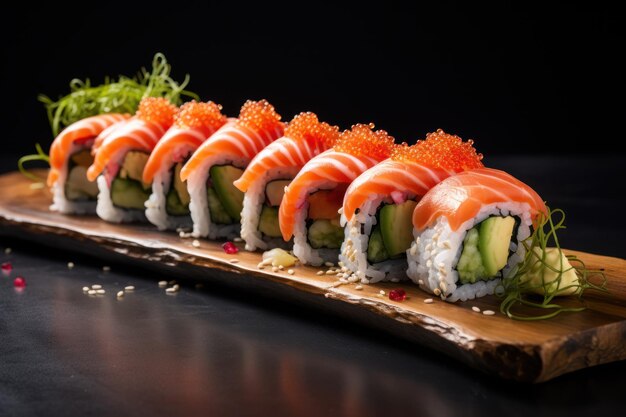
(195, 243)
(181, 234)
(120, 294)
(260, 265)
(353, 278)
(341, 264)
(274, 269)
(85, 289)
(476, 309)
(381, 292)
(320, 272)
(101, 291)
(437, 291)
(417, 241)
(91, 292)
(394, 280)
(339, 274)
(446, 244)
(442, 265)
(291, 271)
(443, 286)
(96, 286)
(8, 251)
(70, 265)
(330, 272)
(344, 269)
(343, 280)
(281, 267)
(237, 239)
(428, 247)
(420, 281)
(129, 288)
(327, 295)
(436, 236)
(162, 283)
(413, 250)
(428, 301)
(429, 263)
(170, 290)
(358, 287)
(329, 264)
(176, 287)
(106, 268)
(489, 312)
(234, 261)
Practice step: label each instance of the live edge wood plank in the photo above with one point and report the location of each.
(523, 351)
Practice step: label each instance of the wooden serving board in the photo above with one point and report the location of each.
(524, 351)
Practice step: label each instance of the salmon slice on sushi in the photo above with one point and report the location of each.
(120, 160)
(378, 205)
(310, 210)
(215, 203)
(168, 205)
(468, 231)
(70, 157)
(270, 172)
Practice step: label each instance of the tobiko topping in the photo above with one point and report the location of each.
(259, 115)
(157, 110)
(307, 127)
(199, 114)
(362, 140)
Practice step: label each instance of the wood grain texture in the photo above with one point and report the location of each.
(523, 351)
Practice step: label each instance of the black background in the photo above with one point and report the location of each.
(515, 79)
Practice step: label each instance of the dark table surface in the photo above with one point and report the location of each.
(216, 351)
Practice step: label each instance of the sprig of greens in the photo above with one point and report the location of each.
(121, 96)
(518, 290)
(39, 156)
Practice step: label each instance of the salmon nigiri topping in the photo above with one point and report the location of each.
(260, 116)
(440, 150)
(157, 110)
(199, 115)
(362, 140)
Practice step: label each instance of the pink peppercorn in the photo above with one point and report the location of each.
(230, 248)
(6, 268)
(19, 282)
(397, 295)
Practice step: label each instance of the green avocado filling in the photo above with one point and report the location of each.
(177, 200)
(485, 249)
(127, 189)
(393, 234)
(225, 200)
(324, 233)
(77, 186)
(268, 220)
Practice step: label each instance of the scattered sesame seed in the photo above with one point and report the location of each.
(237, 239)
(429, 263)
(8, 251)
(181, 234)
(341, 264)
(344, 269)
(234, 261)
(420, 281)
(70, 265)
(275, 269)
(381, 292)
(437, 291)
(343, 280)
(320, 272)
(260, 265)
(476, 309)
(329, 264)
(489, 312)
(176, 287)
(96, 286)
(327, 295)
(281, 267)
(291, 271)
(101, 291)
(106, 268)
(394, 280)
(162, 283)
(91, 292)
(170, 291)
(195, 243)
(413, 250)
(428, 301)
(446, 244)
(353, 278)
(358, 287)
(120, 294)
(330, 272)
(129, 288)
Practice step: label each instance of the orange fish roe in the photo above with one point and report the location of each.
(259, 115)
(157, 109)
(440, 150)
(307, 127)
(362, 140)
(195, 114)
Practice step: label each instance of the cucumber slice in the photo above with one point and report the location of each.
(470, 266)
(268, 222)
(231, 198)
(325, 234)
(493, 242)
(217, 210)
(396, 227)
(129, 194)
(174, 206)
(376, 251)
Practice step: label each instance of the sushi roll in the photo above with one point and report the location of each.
(378, 205)
(265, 179)
(168, 205)
(70, 156)
(120, 160)
(468, 231)
(310, 210)
(215, 203)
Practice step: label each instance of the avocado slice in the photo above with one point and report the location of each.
(133, 165)
(376, 251)
(493, 242)
(217, 210)
(129, 194)
(78, 187)
(174, 206)
(396, 227)
(181, 186)
(268, 222)
(470, 266)
(231, 198)
(274, 192)
(325, 233)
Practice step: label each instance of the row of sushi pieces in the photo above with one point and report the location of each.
(430, 212)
